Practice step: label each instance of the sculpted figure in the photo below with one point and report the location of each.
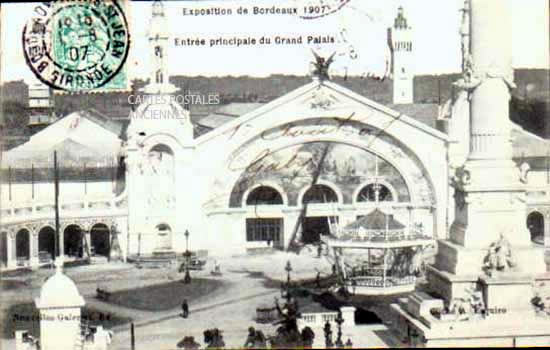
(499, 256)
(523, 172)
(321, 65)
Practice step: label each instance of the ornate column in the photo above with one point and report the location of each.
(490, 159)
(490, 199)
(490, 203)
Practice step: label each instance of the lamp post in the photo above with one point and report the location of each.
(288, 269)
(187, 254)
(339, 320)
(328, 335)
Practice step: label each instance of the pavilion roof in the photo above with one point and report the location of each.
(376, 220)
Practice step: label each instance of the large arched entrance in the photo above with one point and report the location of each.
(535, 224)
(159, 175)
(315, 225)
(46, 241)
(22, 244)
(100, 240)
(72, 240)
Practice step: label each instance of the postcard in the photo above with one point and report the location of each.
(274, 174)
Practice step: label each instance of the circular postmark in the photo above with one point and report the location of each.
(76, 45)
(311, 9)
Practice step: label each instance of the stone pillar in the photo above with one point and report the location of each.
(291, 216)
(490, 159)
(348, 314)
(489, 196)
(10, 249)
(86, 235)
(492, 197)
(61, 241)
(33, 247)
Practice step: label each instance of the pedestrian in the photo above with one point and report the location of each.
(185, 308)
(318, 280)
(319, 249)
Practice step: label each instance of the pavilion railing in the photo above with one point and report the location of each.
(380, 281)
(380, 236)
(361, 271)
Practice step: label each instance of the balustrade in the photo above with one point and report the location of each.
(14, 210)
(380, 281)
(380, 236)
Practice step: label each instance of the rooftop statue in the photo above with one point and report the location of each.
(321, 66)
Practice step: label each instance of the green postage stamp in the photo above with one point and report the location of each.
(78, 46)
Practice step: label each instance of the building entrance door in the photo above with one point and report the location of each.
(315, 227)
(164, 237)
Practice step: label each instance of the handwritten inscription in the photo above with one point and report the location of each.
(346, 125)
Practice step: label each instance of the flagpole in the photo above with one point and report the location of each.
(56, 184)
(547, 168)
(32, 179)
(9, 182)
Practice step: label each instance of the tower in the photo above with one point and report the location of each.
(41, 106)
(402, 54)
(158, 48)
(158, 150)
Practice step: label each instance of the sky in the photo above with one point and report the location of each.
(363, 23)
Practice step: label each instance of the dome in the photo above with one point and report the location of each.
(59, 291)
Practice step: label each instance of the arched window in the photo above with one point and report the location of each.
(535, 224)
(319, 194)
(158, 51)
(369, 193)
(22, 244)
(159, 77)
(164, 237)
(264, 195)
(163, 228)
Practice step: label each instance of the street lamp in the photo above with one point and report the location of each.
(187, 254)
(339, 320)
(288, 268)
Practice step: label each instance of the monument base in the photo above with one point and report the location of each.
(509, 316)
(460, 260)
(498, 330)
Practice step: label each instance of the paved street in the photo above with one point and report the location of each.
(231, 308)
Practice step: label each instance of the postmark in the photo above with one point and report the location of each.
(78, 45)
(311, 9)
